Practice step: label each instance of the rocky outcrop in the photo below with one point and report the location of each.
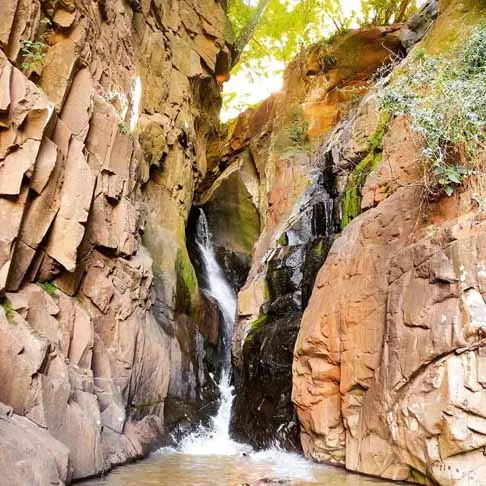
(294, 195)
(388, 373)
(104, 114)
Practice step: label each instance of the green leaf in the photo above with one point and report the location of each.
(454, 177)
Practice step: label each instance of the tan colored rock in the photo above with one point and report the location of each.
(21, 355)
(59, 67)
(98, 287)
(64, 18)
(76, 111)
(16, 165)
(11, 212)
(8, 7)
(69, 225)
(5, 73)
(38, 216)
(83, 368)
(44, 165)
(387, 363)
(23, 26)
(29, 454)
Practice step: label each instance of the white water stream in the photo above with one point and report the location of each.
(215, 439)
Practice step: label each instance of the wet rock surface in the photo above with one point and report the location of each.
(263, 413)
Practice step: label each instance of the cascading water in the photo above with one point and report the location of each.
(209, 457)
(215, 439)
(219, 289)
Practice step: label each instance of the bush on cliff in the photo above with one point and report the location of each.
(446, 101)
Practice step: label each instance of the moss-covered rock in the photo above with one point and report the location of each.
(187, 287)
(356, 180)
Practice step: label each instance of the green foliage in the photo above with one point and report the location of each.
(34, 56)
(283, 240)
(7, 308)
(352, 195)
(446, 102)
(49, 288)
(289, 26)
(285, 28)
(123, 127)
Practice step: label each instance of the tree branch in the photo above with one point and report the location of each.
(248, 31)
(402, 10)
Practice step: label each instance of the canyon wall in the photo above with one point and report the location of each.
(274, 150)
(388, 377)
(388, 362)
(105, 107)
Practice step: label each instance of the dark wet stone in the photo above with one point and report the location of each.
(263, 410)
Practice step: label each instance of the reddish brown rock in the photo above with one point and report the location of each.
(387, 365)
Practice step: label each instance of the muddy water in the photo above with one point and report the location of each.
(170, 468)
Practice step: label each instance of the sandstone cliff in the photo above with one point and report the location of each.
(275, 150)
(387, 374)
(104, 111)
(388, 377)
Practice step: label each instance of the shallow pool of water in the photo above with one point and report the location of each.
(172, 468)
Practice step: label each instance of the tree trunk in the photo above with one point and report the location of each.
(248, 31)
(402, 11)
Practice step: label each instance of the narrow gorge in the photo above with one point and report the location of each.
(290, 297)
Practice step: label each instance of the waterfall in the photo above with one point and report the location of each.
(218, 288)
(215, 439)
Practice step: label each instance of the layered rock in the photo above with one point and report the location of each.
(104, 112)
(388, 364)
(293, 194)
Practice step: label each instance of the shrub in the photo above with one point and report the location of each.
(293, 132)
(34, 56)
(123, 127)
(446, 102)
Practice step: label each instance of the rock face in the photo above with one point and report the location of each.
(388, 368)
(294, 196)
(103, 124)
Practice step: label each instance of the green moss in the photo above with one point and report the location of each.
(266, 292)
(319, 249)
(140, 407)
(283, 240)
(7, 308)
(49, 288)
(257, 324)
(186, 282)
(293, 132)
(453, 27)
(352, 195)
(232, 216)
